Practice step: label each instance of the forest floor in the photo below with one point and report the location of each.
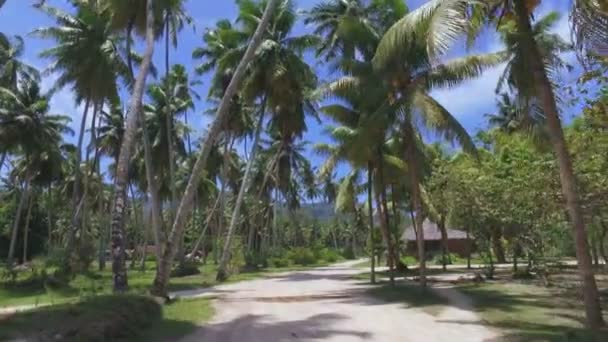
(328, 304)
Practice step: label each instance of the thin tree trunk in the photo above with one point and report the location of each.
(444, 243)
(602, 241)
(372, 276)
(76, 191)
(162, 276)
(468, 250)
(49, 217)
(136, 224)
(412, 160)
(144, 253)
(222, 272)
(20, 207)
(207, 223)
(119, 270)
(26, 228)
(568, 181)
(397, 254)
(81, 213)
(497, 246)
(384, 221)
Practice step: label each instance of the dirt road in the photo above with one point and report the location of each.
(326, 304)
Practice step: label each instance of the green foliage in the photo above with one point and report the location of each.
(301, 256)
(278, 262)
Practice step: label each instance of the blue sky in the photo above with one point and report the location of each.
(468, 102)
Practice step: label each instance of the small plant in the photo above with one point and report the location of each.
(185, 269)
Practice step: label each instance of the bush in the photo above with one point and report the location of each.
(188, 268)
(330, 255)
(348, 253)
(278, 262)
(301, 256)
(438, 259)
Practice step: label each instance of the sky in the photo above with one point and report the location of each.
(467, 102)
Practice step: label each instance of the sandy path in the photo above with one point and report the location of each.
(325, 304)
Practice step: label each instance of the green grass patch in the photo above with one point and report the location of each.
(103, 318)
(412, 296)
(32, 288)
(180, 318)
(525, 312)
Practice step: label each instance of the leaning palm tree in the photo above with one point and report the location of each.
(280, 79)
(406, 57)
(184, 210)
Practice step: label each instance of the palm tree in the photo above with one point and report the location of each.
(26, 123)
(12, 67)
(589, 20)
(531, 50)
(120, 181)
(346, 25)
(88, 60)
(280, 79)
(185, 207)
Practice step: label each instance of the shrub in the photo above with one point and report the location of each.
(330, 255)
(348, 253)
(278, 262)
(301, 256)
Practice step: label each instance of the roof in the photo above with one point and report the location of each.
(432, 232)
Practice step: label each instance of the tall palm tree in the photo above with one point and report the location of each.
(87, 59)
(121, 180)
(185, 207)
(406, 56)
(531, 50)
(280, 78)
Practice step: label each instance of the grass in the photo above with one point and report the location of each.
(29, 291)
(529, 312)
(180, 318)
(109, 318)
(412, 296)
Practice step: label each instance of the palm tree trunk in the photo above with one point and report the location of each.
(26, 228)
(144, 256)
(119, 270)
(197, 245)
(20, 207)
(410, 155)
(49, 217)
(372, 276)
(384, 220)
(185, 207)
(76, 191)
(568, 181)
(222, 272)
(444, 243)
(137, 223)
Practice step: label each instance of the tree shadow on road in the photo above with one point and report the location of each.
(260, 328)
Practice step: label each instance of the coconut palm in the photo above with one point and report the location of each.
(589, 20)
(12, 68)
(119, 271)
(280, 78)
(185, 207)
(87, 59)
(36, 134)
(346, 25)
